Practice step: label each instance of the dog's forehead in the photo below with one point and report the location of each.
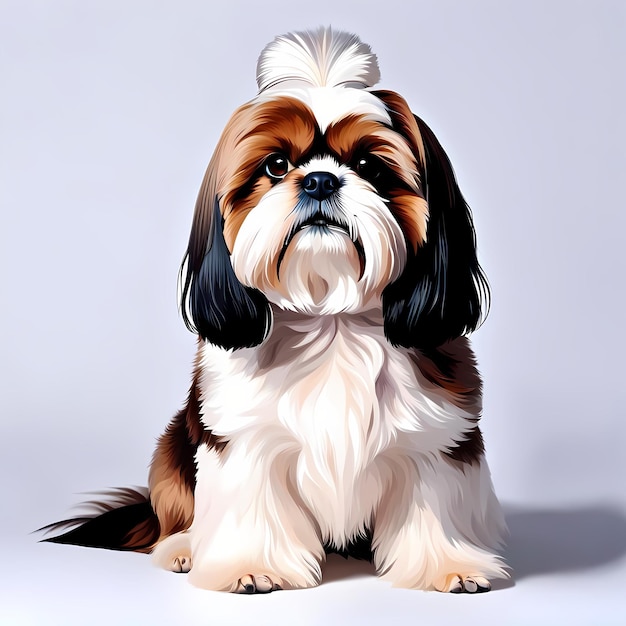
(332, 104)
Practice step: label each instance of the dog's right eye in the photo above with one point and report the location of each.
(276, 167)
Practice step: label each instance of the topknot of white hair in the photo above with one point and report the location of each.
(320, 58)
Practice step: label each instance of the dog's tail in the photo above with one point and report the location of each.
(121, 519)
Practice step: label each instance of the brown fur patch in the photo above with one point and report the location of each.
(404, 122)
(172, 477)
(452, 368)
(255, 131)
(143, 537)
(411, 211)
(240, 209)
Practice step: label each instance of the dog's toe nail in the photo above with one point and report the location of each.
(247, 584)
(482, 583)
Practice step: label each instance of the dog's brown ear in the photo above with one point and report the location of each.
(214, 303)
(442, 292)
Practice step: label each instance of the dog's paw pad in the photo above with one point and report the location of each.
(256, 584)
(181, 565)
(455, 583)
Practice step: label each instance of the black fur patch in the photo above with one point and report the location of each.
(130, 527)
(223, 310)
(439, 295)
(359, 548)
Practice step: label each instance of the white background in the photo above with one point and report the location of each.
(109, 112)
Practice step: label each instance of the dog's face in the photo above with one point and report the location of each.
(324, 198)
(318, 217)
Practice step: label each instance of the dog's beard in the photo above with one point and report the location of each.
(320, 268)
(320, 271)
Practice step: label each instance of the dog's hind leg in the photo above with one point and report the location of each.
(172, 478)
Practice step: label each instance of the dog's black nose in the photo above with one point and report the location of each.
(320, 185)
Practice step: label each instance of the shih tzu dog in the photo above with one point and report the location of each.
(331, 276)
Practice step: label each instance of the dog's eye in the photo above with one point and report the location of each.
(367, 167)
(276, 167)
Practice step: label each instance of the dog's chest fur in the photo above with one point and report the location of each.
(330, 402)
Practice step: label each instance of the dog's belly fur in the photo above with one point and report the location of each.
(339, 412)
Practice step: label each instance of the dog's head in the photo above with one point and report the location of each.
(324, 196)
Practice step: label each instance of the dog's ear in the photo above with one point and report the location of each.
(442, 292)
(214, 303)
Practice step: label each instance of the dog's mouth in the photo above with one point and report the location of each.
(318, 220)
(322, 222)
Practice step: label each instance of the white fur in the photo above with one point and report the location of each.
(325, 69)
(324, 58)
(340, 432)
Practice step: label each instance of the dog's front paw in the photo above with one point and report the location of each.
(459, 583)
(251, 583)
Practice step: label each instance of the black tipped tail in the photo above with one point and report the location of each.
(124, 520)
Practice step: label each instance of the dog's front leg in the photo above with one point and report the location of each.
(249, 534)
(439, 527)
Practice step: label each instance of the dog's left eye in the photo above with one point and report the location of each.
(367, 167)
(276, 167)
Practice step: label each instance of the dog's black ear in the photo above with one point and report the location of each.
(442, 292)
(214, 303)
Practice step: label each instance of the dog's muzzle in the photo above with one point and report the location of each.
(319, 208)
